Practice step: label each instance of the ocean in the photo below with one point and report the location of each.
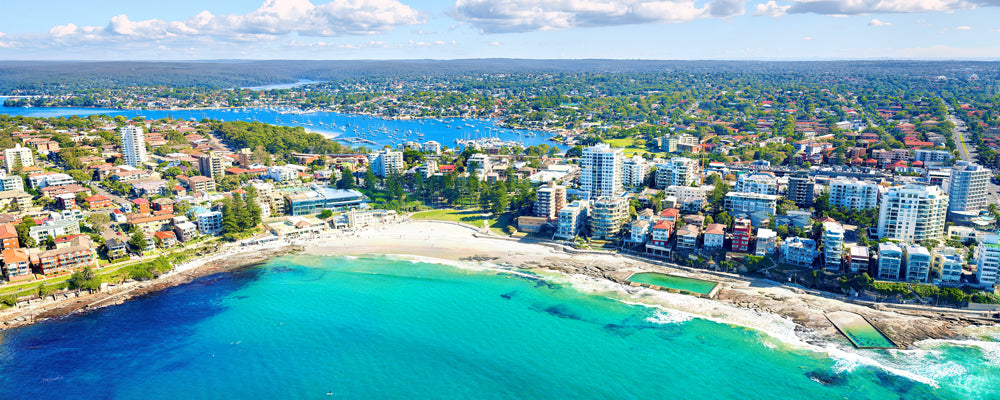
(337, 126)
(300, 327)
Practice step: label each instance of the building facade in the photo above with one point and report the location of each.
(607, 215)
(550, 199)
(988, 261)
(679, 171)
(833, 245)
(750, 203)
(800, 189)
(918, 264)
(967, 187)
(133, 145)
(854, 194)
(890, 261)
(757, 182)
(572, 219)
(913, 213)
(18, 157)
(601, 171)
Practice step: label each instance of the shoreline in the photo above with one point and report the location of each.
(741, 301)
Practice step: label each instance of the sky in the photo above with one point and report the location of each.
(540, 29)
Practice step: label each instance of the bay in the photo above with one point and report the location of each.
(376, 327)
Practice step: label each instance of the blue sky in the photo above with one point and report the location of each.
(414, 29)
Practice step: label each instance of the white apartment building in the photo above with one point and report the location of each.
(18, 155)
(601, 170)
(479, 164)
(11, 182)
(634, 172)
(918, 263)
(854, 194)
(912, 213)
(988, 261)
(386, 162)
(551, 198)
(967, 187)
(890, 261)
(799, 251)
(949, 263)
(766, 239)
(833, 245)
(133, 145)
(572, 219)
(750, 202)
(431, 147)
(607, 215)
(679, 171)
(757, 182)
(931, 157)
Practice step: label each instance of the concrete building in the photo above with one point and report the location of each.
(11, 182)
(679, 171)
(551, 198)
(766, 240)
(639, 231)
(316, 198)
(988, 260)
(634, 171)
(479, 164)
(799, 251)
(133, 145)
(854, 194)
(601, 171)
(833, 245)
(282, 173)
(15, 265)
(18, 157)
(211, 165)
(742, 234)
(607, 215)
(73, 254)
(858, 259)
(572, 220)
(714, 237)
(386, 162)
(757, 182)
(967, 187)
(54, 228)
(184, 229)
(209, 223)
(800, 189)
(687, 238)
(913, 213)
(890, 261)
(750, 203)
(948, 264)
(931, 157)
(918, 263)
(431, 147)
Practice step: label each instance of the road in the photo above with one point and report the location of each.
(966, 150)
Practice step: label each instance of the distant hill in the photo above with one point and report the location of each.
(53, 77)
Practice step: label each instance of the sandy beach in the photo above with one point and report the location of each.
(743, 301)
(756, 304)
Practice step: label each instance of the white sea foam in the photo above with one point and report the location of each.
(666, 317)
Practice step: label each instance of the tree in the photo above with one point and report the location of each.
(326, 213)
(370, 180)
(23, 230)
(346, 180)
(85, 279)
(138, 240)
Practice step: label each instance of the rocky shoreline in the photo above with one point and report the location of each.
(63, 304)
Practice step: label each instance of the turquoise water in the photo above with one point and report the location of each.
(300, 327)
(674, 282)
(860, 332)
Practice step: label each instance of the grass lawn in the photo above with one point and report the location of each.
(625, 142)
(471, 217)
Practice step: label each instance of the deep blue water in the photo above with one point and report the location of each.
(334, 125)
(304, 326)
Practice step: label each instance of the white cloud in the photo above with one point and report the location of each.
(273, 19)
(495, 43)
(876, 22)
(542, 15)
(807, 38)
(771, 9)
(963, 28)
(856, 7)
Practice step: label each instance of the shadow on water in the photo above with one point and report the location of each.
(637, 323)
(509, 294)
(57, 356)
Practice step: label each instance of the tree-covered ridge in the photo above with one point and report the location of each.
(276, 140)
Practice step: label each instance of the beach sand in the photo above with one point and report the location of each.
(743, 301)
